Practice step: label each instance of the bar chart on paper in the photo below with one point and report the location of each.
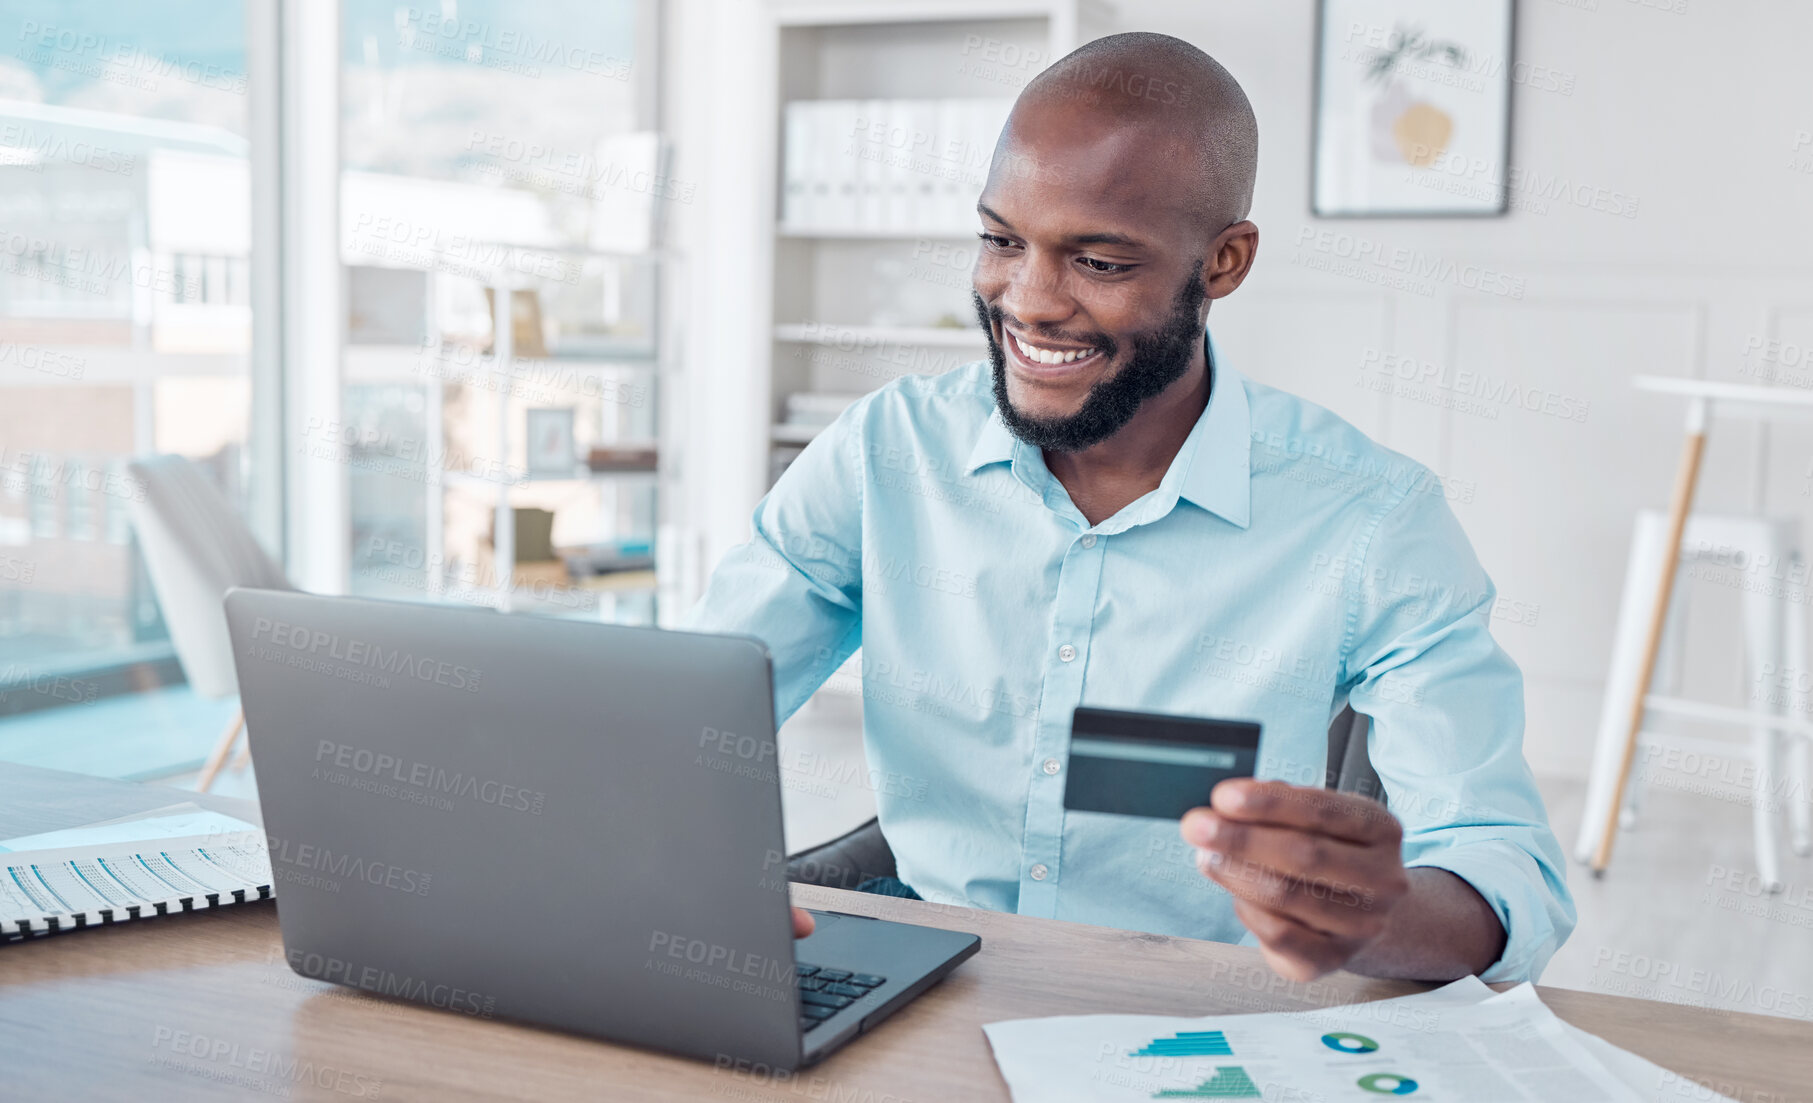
(1228, 1083)
(1188, 1043)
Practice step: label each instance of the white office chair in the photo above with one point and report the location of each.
(196, 548)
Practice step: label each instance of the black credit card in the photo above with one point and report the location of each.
(1148, 764)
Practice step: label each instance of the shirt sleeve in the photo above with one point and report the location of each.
(1447, 734)
(797, 583)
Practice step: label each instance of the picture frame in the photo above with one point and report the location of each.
(551, 451)
(1412, 108)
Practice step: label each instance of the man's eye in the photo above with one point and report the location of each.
(1102, 266)
(994, 241)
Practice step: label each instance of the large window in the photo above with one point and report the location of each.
(124, 312)
(500, 160)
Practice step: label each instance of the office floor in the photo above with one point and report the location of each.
(135, 736)
(1680, 917)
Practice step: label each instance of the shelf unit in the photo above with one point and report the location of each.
(511, 593)
(852, 309)
(624, 504)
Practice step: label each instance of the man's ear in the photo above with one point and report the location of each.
(1231, 258)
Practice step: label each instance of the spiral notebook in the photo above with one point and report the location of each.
(169, 860)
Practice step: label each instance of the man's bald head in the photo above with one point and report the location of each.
(1113, 214)
(1193, 110)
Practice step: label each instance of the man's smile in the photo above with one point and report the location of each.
(1043, 361)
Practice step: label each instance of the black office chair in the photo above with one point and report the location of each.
(858, 855)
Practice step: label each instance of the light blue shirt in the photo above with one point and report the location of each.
(1286, 566)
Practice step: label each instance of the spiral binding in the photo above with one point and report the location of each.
(27, 929)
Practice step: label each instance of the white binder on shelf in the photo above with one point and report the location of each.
(626, 216)
(878, 172)
(796, 164)
(916, 197)
(946, 208)
(847, 146)
(822, 155)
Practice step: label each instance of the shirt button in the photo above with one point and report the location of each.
(1067, 653)
(1038, 872)
(1089, 540)
(1051, 766)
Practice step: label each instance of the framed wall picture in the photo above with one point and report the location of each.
(551, 451)
(1412, 108)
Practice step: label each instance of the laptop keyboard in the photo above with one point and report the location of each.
(823, 992)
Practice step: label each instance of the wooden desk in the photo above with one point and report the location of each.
(204, 1007)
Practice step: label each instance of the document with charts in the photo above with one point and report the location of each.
(1457, 1044)
(177, 859)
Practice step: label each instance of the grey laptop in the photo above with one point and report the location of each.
(571, 824)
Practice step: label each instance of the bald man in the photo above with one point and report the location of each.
(1106, 513)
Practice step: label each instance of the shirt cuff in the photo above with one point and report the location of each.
(1509, 880)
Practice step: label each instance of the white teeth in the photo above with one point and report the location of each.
(1049, 356)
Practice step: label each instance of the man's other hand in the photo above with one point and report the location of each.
(802, 923)
(1314, 873)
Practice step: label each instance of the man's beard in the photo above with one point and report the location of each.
(1159, 358)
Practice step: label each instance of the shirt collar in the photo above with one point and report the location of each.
(1213, 468)
(1219, 477)
(994, 444)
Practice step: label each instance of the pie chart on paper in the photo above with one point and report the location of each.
(1388, 1083)
(1342, 1042)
